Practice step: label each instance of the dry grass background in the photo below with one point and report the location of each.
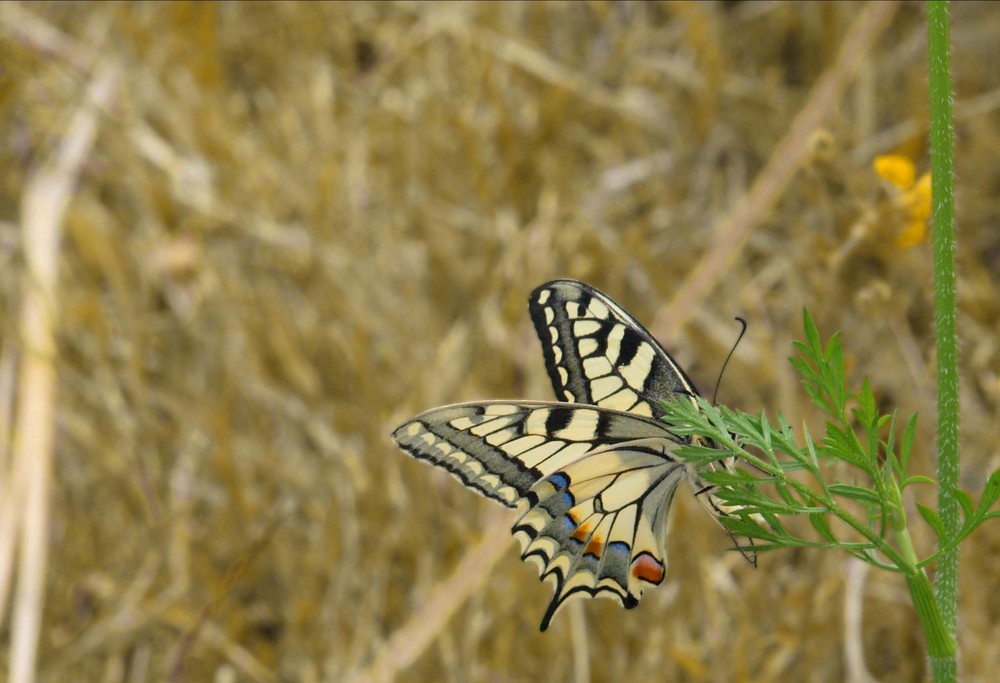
(298, 224)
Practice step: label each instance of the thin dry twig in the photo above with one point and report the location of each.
(244, 659)
(27, 27)
(854, 597)
(579, 640)
(46, 197)
(9, 481)
(789, 155)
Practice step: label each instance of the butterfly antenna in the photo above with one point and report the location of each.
(731, 352)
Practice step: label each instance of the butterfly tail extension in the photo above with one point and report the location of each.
(719, 509)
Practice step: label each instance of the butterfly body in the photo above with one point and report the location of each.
(592, 477)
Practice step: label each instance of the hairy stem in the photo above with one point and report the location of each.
(942, 168)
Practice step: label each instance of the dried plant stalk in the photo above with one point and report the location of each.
(788, 157)
(46, 197)
(404, 646)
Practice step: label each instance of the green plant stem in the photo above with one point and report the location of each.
(942, 167)
(940, 642)
(906, 546)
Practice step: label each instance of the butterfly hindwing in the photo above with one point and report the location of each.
(595, 352)
(596, 527)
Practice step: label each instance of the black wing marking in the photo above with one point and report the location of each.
(595, 352)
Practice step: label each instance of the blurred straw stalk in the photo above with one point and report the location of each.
(26, 471)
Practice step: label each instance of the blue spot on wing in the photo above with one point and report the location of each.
(562, 500)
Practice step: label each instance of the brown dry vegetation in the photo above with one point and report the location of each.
(298, 224)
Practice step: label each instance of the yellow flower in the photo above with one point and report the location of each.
(897, 169)
(914, 195)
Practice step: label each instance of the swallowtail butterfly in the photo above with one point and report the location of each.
(593, 477)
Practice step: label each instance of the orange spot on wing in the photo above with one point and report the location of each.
(594, 547)
(582, 531)
(645, 567)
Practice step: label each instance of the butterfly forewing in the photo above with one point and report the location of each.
(500, 449)
(595, 352)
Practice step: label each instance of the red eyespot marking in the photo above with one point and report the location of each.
(647, 568)
(581, 533)
(594, 547)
